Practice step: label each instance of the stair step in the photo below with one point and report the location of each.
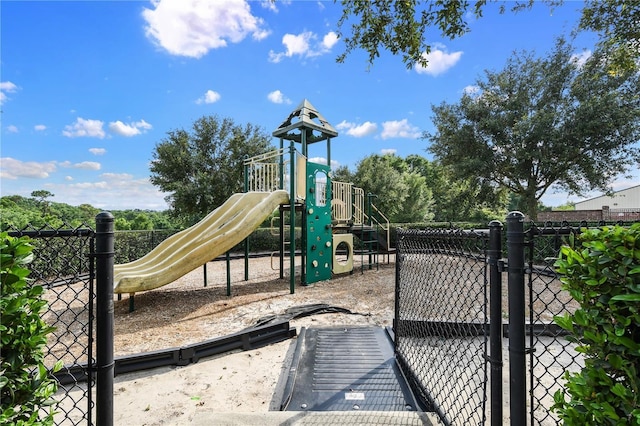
(273, 418)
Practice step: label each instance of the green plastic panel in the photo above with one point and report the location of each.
(319, 235)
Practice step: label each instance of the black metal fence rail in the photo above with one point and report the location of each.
(441, 320)
(63, 265)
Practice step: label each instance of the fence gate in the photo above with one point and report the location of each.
(441, 321)
(63, 264)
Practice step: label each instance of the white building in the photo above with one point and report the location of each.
(625, 199)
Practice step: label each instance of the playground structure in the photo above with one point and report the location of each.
(331, 214)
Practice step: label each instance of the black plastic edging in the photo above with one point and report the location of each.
(252, 338)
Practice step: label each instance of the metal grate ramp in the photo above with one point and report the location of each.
(346, 369)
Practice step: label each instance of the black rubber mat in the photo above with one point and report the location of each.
(346, 369)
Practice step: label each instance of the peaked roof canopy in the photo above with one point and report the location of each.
(306, 118)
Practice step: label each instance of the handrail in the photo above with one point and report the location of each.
(386, 220)
(265, 156)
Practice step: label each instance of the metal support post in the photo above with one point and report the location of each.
(495, 319)
(292, 216)
(517, 359)
(228, 274)
(104, 255)
(246, 259)
(204, 270)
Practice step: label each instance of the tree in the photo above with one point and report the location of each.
(42, 195)
(544, 122)
(402, 196)
(201, 168)
(342, 174)
(457, 199)
(142, 222)
(403, 27)
(617, 23)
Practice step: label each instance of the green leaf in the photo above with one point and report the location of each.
(565, 321)
(619, 390)
(626, 298)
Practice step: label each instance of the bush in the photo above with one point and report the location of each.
(603, 274)
(26, 389)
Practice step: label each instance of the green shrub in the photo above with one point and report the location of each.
(26, 388)
(602, 273)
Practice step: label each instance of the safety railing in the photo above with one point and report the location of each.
(264, 172)
(348, 204)
(342, 201)
(271, 171)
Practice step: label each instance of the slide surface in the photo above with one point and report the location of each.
(214, 235)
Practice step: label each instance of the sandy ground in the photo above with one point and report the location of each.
(239, 382)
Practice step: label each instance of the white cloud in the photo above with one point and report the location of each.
(6, 87)
(209, 97)
(388, 151)
(89, 185)
(323, 160)
(193, 27)
(329, 40)
(128, 130)
(358, 130)
(581, 58)
(112, 191)
(68, 178)
(304, 45)
(97, 151)
(439, 61)
(84, 165)
(12, 129)
(277, 97)
(471, 90)
(40, 127)
(269, 4)
(10, 168)
(84, 128)
(87, 165)
(399, 129)
(116, 176)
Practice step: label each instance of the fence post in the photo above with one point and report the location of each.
(104, 254)
(517, 360)
(495, 319)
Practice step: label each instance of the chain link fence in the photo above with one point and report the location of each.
(441, 322)
(550, 354)
(63, 265)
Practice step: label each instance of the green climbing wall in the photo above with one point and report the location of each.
(319, 235)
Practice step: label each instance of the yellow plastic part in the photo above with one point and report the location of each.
(347, 266)
(218, 232)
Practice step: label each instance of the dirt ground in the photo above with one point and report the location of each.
(186, 311)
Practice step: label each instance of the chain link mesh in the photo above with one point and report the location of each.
(63, 265)
(550, 354)
(441, 320)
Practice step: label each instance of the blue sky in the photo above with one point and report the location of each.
(88, 88)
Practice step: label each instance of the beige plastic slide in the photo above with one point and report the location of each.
(214, 235)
